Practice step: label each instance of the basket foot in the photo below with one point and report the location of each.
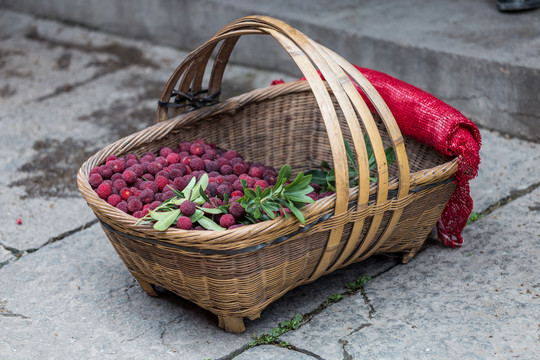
(231, 324)
(254, 316)
(146, 286)
(407, 256)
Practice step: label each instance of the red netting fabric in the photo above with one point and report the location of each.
(436, 124)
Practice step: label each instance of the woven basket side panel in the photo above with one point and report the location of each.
(418, 219)
(240, 284)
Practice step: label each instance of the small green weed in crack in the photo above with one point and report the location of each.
(272, 336)
(332, 299)
(474, 216)
(358, 283)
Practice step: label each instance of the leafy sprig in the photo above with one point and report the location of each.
(262, 204)
(168, 212)
(326, 177)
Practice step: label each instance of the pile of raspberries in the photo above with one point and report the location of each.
(136, 185)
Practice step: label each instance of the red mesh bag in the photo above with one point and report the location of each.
(436, 124)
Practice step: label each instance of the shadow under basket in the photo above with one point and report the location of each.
(236, 273)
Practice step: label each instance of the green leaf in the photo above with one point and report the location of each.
(325, 165)
(199, 201)
(197, 215)
(300, 182)
(178, 201)
(284, 175)
(300, 199)
(201, 184)
(210, 210)
(158, 215)
(164, 223)
(390, 155)
(204, 195)
(350, 155)
(209, 224)
(268, 211)
(317, 176)
(297, 213)
(224, 209)
(189, 187)
(256, 212)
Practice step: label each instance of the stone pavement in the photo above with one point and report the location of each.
(68, 91)
(467, 53)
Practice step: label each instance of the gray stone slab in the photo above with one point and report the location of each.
(272, 353)
(481, 61)
(507, 165)
(5, 255)
(75, 296)
(480, 301)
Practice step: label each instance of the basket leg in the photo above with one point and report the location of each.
(146, 286)
(254, 316)
(407, 256)
(231, 324)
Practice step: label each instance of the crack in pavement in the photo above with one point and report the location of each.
(346, 355)
(360, 328)
(20, 253)
(8, 313)
(306, 352)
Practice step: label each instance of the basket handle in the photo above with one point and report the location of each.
(339, 74)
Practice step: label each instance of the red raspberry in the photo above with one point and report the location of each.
(196, 149)
(222, 190)
(165, 151)
(114, 199)
(116, 176)
(166, 195)
(162, 161)
(134, 204)
(94, 170)
(138, 214)
(187, 208)
(240, 168)
(138, 169)
(104, 190)
(256, 172)
(122, 205)
(236, 193)
(226, 170)
(146, 196)
(263, 184)
(235, 226)
(185, 146)
(105, 171)
(118, 166)
(148, 177)
(250, 181)
(227, 220)
(129, 176)
(110, 158)
(131, 162)
(175, 173)
(163, 173)
(154, 205)
(119, 184)
(222, 161)
(180, 183)
(231, 154)
(154, 167)
(161, 182)
(236, 210)
(211, 189)
(184, 223)
(196, 164)
(173, 158)
(95, 180)
(125, 193)
(211, 166)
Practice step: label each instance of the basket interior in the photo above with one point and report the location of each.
(286, 129)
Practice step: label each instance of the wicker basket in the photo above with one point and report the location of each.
(237, 273)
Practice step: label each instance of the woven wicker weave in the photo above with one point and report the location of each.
(237, 273)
